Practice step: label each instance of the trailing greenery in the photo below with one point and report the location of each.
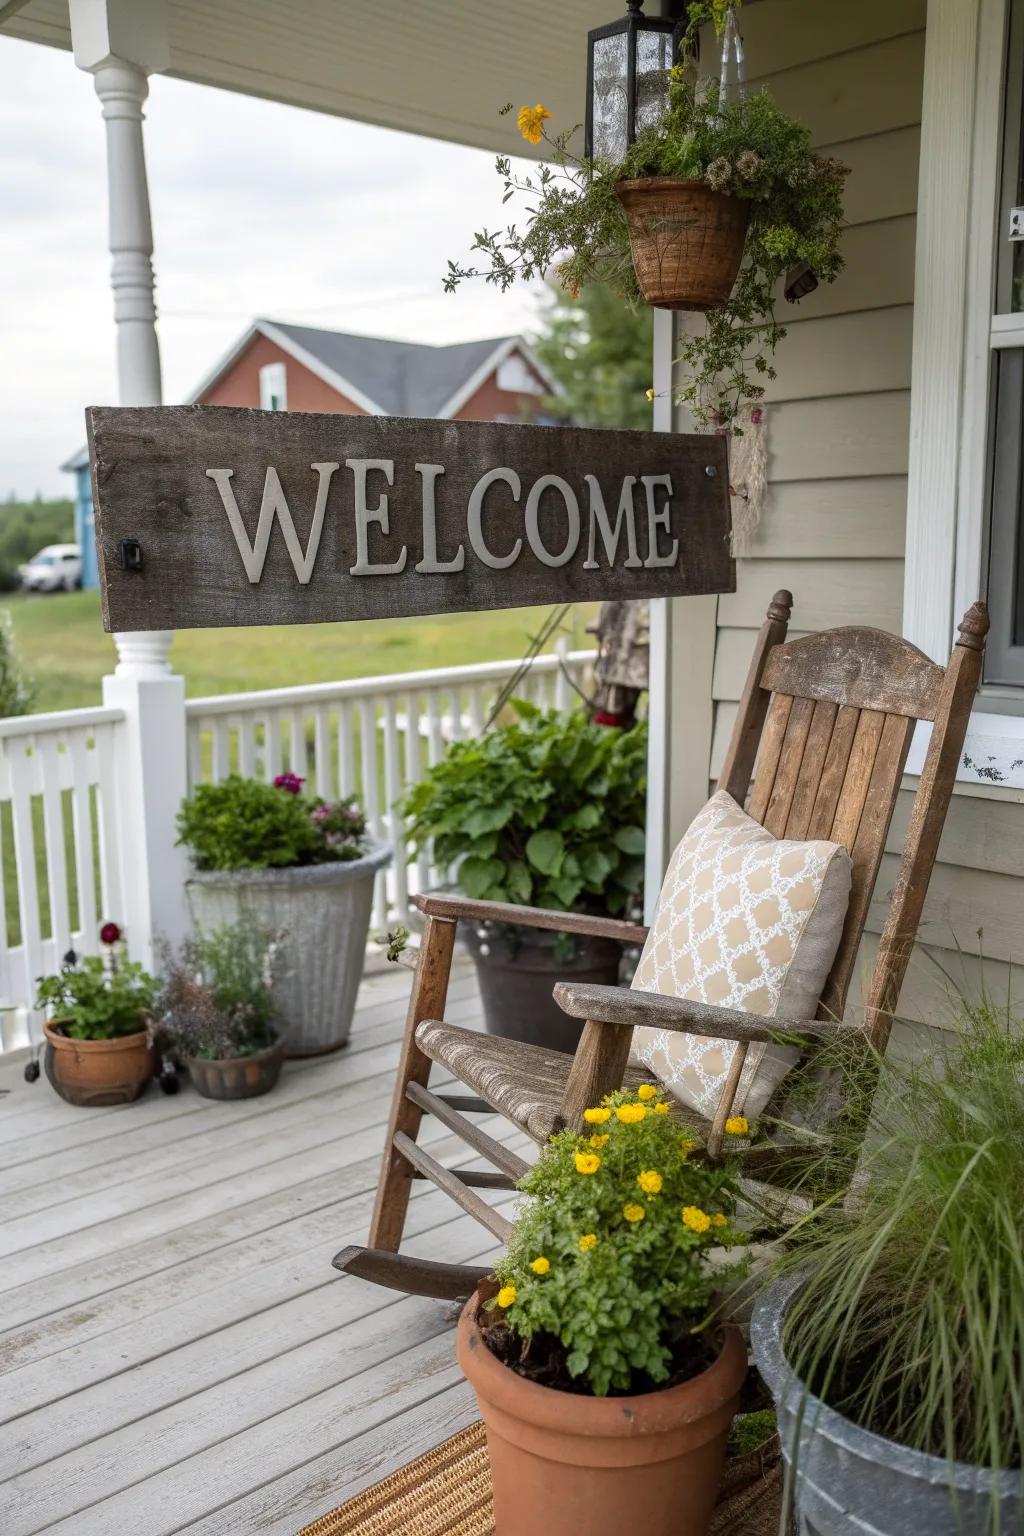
(16, 691)
(217, 999)
(96, 997)
(912, 1319)
(245, 824)
(609, 1253)
(599, 350)
(25, 527)
(742, 147)
(546, 811)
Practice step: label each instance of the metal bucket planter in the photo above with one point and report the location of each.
(324, 913)
(850, 1481)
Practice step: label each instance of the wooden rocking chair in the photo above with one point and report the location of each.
(827, 720)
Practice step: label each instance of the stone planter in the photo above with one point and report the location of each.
(94, 1073)
(850, 1481)
(237, 1077)
(324, 912)
(517, 969)
(567, 1464)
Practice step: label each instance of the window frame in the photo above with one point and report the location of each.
(273, 379)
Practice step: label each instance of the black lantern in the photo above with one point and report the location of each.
(627, 77)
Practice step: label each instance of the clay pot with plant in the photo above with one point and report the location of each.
(606, 1383)
(216, 1011)
(546, 810)
(286, 862)
(97, 1048)
(709, 210)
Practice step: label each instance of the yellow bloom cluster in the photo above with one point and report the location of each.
(661, 1108)
(650, 1181)
(530, 122)
(587, 1162)
(540, 1266)
(630, 1114)
(633, 1212)
(597, 1116)
(696, 1219)
(506, 1296)
(599, 1141)
(647, 1091)
(588, 1241)
(737, 1125)
(718, 1220)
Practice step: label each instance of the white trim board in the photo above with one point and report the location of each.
(993, 753)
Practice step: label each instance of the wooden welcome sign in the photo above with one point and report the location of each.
(207, 515)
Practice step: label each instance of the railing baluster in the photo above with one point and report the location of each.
(346, 758)
(47, 749)
(81, 830)
(247, 745)
(195, 752)
(219, 763)
(413, 774)
(25, 865)
(392, 789)
(297, 733)
(435, 740)
(111, 885)
(271, 744)
(371, 798)
(322, 753)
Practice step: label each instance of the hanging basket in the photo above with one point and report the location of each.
(686, 240)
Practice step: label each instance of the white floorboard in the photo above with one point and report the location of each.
(176, 1353)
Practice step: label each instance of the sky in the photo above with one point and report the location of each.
(258, 209)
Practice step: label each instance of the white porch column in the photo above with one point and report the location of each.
(120, 43)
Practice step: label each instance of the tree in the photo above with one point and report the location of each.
(599, 350)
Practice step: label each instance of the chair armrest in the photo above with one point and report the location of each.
(531, 917)
(620, 1005)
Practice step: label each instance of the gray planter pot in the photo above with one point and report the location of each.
(324, 910)
(850, 1482)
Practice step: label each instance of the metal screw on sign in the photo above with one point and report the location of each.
(710, 471)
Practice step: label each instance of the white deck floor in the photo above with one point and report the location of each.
(177, 1354)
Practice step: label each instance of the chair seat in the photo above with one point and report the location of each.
(526, 1083)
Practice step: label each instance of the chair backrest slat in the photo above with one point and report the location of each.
(831, 718)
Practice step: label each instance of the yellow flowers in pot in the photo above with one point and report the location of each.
(611, 1253)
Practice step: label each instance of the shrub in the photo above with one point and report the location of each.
(548, 811)
(96, 997)
(246, 824)
(912, 1320)
(16, 692)
(607, 1267)
(217, 999)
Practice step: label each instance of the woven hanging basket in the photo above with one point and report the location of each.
(686, 240)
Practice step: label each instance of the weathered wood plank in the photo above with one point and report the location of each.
(791, 766)
(833, 773)
(364, 533)
(866, 668)
(531, 917)
(467, 1199)
(624, 1006)
(815, 753)
(768, 753)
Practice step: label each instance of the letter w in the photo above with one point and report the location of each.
(274, 505)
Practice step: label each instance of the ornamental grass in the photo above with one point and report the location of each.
(609, 1269)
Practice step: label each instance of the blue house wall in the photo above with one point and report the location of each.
(85, 533)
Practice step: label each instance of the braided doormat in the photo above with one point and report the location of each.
(447, 1492)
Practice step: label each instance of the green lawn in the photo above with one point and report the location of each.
(63, 647)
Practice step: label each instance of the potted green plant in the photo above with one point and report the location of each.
(605, 1383)
(216, 1011)
(546, 810)
(893, 1337)
(288, 863)
(709, 210)
(98, 1006)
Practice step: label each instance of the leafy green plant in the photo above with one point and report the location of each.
(217, 999)
(246, 824)
(745, 148)
(96, 997)
(607, 1269)
(911, 1322)
(16, 692)
(547, 811)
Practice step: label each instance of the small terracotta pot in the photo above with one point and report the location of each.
(564, 1464)
(686, 240)
(92, 1073)
(237, 1077)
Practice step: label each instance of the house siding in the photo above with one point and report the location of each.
(240, 384)
(833, 530)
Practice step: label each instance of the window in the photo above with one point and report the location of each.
(515, 376)
(1004, 661)
(273, 387)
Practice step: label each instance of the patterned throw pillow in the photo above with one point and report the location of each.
(745, 920)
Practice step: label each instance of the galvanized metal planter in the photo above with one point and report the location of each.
(849, 1481)
(324, 912)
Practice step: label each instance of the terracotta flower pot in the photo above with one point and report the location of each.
(237, 1077)
(97, 1072)
(686, 240)
(564, 1464)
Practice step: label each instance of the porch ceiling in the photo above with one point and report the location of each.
(437, 67)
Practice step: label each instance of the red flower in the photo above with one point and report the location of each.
(109, 933)
(609, 717)
(289, 781)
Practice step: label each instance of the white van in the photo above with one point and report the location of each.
(56, 568)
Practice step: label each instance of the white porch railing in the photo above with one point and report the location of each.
(370, 737)
(64, 797)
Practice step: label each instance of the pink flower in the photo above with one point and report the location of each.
(109, 933)
(289, 781)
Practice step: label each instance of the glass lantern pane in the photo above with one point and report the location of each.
(608, 97)
(653, 62)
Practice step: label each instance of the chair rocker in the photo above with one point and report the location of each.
(823, 729)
